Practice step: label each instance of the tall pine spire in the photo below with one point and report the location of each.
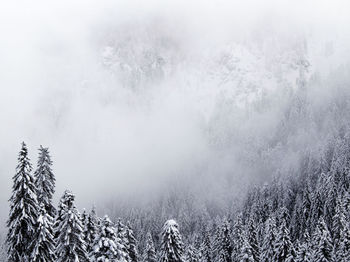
(45, 181)
(23, 211)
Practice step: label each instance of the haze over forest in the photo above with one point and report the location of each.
(141, 100)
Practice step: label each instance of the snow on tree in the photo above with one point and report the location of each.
(131, 243)
(106, 247)
(149, 254)
(206, 248)
(70, 245)
(43, 244)
(303, 252)
(237, 237)
(338, 221)
(65, 203)
(192, 254)
(45, 181)
(267, 250)
(24, 211)
(246, 254)
(90, 229)
(171, 249)
(223, 244)
(341, 233)
(122, 240)
(283, 246)
(253, 240)
(322, 243)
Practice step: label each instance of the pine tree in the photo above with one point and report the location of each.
(342, 247)
(45, 181)
(303, 252)
(267, 250)
(122, 240)
(192, 254)
(246, 253)
(253, 240)
(70, 245)
(338, 221)
(206, 248)
(90, 229)
(223, 244)
(283, 246)
(131, 243)
(150, 252)
(322, 243)
(237, 237)
(171, 243)
(24, 211)
(43, 245)
(106, 247)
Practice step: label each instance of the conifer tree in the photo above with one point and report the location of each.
(253, 240)
(192, 254)
(106, 248)
(342, 247)
(171, 249)
(322, 243)
(65, 202)
(131, 243)
(43, 245)
(303, 252)
(246, 254)
(24, 211)
(149, 254)
(70, 245)
(45, 181)
(267, 250)
(237, 237)
(283, 246)
(122, 240)
(90, 229)
(223, 244)
(206, 248)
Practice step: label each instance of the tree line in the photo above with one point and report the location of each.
(301, 216)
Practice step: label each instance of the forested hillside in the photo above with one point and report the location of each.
(301, 216)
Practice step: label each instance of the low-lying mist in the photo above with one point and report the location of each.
(137, 101)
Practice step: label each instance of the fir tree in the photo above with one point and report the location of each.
(192, 254)
(122, 240)
(267, 250)
(70, 245)
(44, 245)
(246, 254)
(90, 229)
(343, 243)
(303, 252)
(223, 244)
(206, 248)
(283, 246)
(322, 243)
(106, 247)
(45, 181)
(24, 211)
(253, 239)
(131, 243)
(171, 249)
(149, 254)
(237, 237)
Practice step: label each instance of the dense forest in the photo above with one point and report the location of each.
(301, 216)
(183, 132)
